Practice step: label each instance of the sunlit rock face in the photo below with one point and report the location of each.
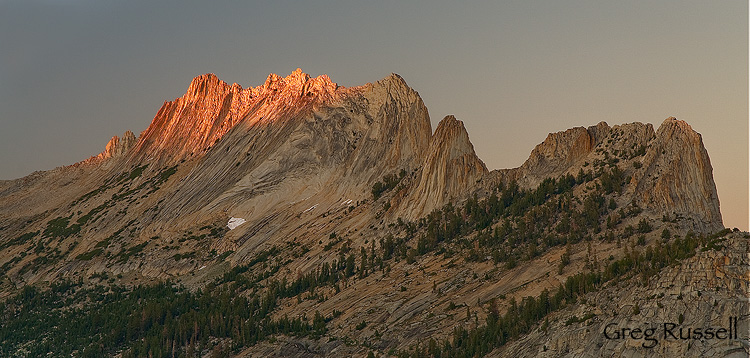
(115, 148)
(211, 107)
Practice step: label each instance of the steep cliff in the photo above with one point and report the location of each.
(668, 171)
(677, 176)
(266, 154)
(450, 170)
(211, 107)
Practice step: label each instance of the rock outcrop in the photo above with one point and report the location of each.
(116, 147)
(210, 108)
(450, 170)
(560, 151)
(669, 170)
(678, 176)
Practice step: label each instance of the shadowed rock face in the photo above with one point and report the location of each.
(116, 147)
(559, 151)
(265, 154)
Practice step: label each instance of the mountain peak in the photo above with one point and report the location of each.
(211, 107)
(674, 125)
(451, 166)
(679, 175)
(300, 162)
(298, 83)
(201, 82)
(450, 123)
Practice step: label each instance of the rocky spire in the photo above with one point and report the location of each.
(211, 107)
(560, 150)
(450, 169)
(116, 147)
(678, 176)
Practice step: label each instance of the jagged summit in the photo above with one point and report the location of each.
(300, 123)
(211, 107)
(450, 168)
(189, 125)
(299, 83)
(115, 148)
(669, 170)
(678, 175)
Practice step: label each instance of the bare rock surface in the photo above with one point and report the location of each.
(678, 176)
(451, 168)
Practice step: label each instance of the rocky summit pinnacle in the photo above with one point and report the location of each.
(450, 167)
(210, 108)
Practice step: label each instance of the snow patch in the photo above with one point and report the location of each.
(312, 207)
(235, 222)
(347, 202)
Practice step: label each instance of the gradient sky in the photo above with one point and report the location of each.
(75, 73)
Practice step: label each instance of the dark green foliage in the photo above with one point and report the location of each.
(165, 174)
(136, 172)
(522, 317)
(564, 260)
(125, 253)
(89, 255)
(509, 225)
(224, 255)
(639, 152)
(180, 256)
(575, 319)
(644, 227)
(58, 228)
(84, 219)
(389, 182)
(218, 232)
(158, 320)
(526, 217)
(612, 180)
(349, 270)
(149, 321)
(91, 194)
(19, 240)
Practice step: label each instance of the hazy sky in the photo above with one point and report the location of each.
(75, 73)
